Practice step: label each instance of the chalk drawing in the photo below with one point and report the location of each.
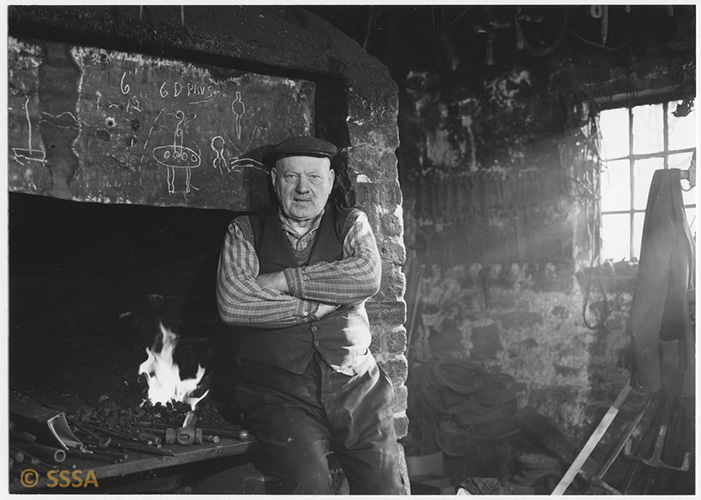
(177, 156)
(219, 161)
(239, 108)
(148, 138)
(256, 133)
(75, 123)
(124, 87)
(29, 153)
(241, 163)
(235, 163)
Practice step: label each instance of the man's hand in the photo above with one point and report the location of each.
(324, 309)
(276, 281)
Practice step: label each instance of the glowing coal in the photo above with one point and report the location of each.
(163, 374)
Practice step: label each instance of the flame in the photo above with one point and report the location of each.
(163, 375)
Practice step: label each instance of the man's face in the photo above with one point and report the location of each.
(303, 185)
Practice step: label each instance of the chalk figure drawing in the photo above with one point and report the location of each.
(177, 156)
(29, 153)
(239, 108)
(221, 161)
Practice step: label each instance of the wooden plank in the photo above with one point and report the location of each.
(593, 441)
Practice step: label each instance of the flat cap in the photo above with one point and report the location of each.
(301, 146)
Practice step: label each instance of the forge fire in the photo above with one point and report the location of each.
(165, 384)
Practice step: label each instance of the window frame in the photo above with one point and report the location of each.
(631, 211)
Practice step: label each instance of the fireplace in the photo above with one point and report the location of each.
(89, 283)
(92, 287)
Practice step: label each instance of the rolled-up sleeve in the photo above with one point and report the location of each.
(241, 301)
(354, 278)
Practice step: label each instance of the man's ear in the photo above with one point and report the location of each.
(332, 173)
(273, 175)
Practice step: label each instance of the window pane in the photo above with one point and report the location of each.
(638, 221)
(682, 130)
(688, 197)
(648, 129)
(613, 125)
(680, 160)
(643, 170)
(691, 220)
(615, 236)
(615, 186)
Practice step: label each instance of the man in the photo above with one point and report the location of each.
(294, 280)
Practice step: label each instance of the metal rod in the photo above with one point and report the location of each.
(125, 436)
(108, 453)
(142, 448)
(592, 442)
(57, 455)
(597, 480)
(240, 434)
(91, 456)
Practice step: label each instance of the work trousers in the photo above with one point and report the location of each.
(299, 419)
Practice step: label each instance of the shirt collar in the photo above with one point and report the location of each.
(288, 228)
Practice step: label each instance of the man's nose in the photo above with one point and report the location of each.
(302, 185)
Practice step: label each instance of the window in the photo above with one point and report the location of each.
(634, 143)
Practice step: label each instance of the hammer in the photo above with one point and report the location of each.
(655, 460)
(187, 434)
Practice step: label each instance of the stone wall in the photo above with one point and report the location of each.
(499, 170)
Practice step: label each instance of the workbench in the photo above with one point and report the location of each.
(138, 462)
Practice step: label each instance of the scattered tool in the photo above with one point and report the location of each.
(55, 455)
(149, 438)
(101, 441)
(119, 456)
(209, 434)
(43, 422)
(241, 435)
(187, 434)
(19, 435)
(144, 448)
(597, 479)
(89, 455)
(16, 455)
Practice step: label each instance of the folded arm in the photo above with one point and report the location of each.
(354, 278)
(244, 301)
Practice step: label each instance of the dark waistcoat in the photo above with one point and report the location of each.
(339, 337)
